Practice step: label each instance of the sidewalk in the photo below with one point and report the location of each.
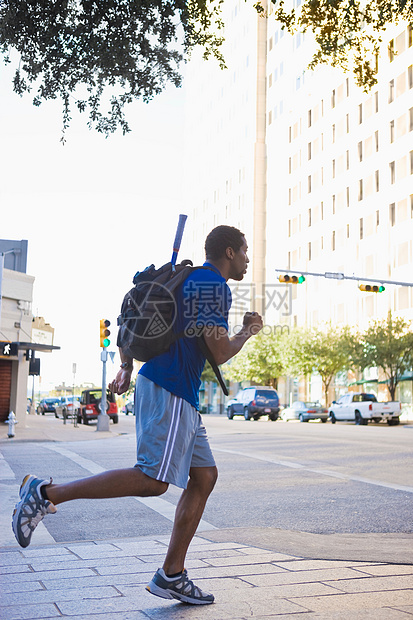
(255, 573)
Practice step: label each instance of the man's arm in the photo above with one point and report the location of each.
(222, 346)
(122, 382)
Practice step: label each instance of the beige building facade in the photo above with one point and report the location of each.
(15, 327)
(337, 194)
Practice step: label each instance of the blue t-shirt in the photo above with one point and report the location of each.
(204, 299)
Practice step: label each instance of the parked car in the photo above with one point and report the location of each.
(255, 402)
(361, 407)
(234, 406)
(68, 407)
(305, 411)
(90, 406)
(129, 407)
(47, 405)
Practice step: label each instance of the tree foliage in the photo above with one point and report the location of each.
(322, 350)
(100, 55)
(261, 361)
(347, 33)
(91, 53)
(388, 344)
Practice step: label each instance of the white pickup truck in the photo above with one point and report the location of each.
(362, 407)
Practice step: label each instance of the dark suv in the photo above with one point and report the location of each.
(255, 402)
(90, 406)
(48, 405)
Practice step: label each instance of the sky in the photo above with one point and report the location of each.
(94, 212)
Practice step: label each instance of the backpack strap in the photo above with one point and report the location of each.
(205, 350)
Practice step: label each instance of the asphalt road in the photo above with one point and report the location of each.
(314, 477)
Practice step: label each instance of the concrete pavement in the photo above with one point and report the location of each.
(253, 572)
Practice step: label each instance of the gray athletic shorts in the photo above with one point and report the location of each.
(171, 437)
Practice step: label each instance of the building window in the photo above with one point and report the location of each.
(348, 231)
(361, 228)
(392, 167)
(410, 35)
(309, 149)
(391, 131)
(289, 196)
(377, 180)
(309, 118)
(391, 91)
(334, 169)
(360, 150)
(411, 162)
(309, 217)
(289, 228)
(348, 196)
(376, 101)
(270, 80)
(289, 134)
(333, 99)
(322, 210)
(376, 140)
(309, 184)
(333, 133)
(289, 165)
(347, 88)
(333, 240)
(360, 113)
(411, 205)
(360, 195)
(391, 50)
(309, 250)
(334, 204)
(411, 119)
(392, 214)
(270, 117)
(377, 218)
(347, 123)
(410, 76)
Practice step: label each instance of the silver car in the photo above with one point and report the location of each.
(305, 411)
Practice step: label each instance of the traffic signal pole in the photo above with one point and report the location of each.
(103, 418)
(340, 276)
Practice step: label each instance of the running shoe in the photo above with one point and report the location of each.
(31, 509)
(180, 588)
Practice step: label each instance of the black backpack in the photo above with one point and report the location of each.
(149, 311)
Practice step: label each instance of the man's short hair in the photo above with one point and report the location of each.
(221, 238)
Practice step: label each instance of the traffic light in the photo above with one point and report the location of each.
(104, 333)
(372, 288)
(291, 279)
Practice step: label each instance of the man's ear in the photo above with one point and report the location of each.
(229, 253)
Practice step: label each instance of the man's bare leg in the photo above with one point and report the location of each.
(187, 516)
(115, 483)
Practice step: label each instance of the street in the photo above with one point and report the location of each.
(318, 478)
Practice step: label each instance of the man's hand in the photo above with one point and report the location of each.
(121, 384)
(252, 322)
